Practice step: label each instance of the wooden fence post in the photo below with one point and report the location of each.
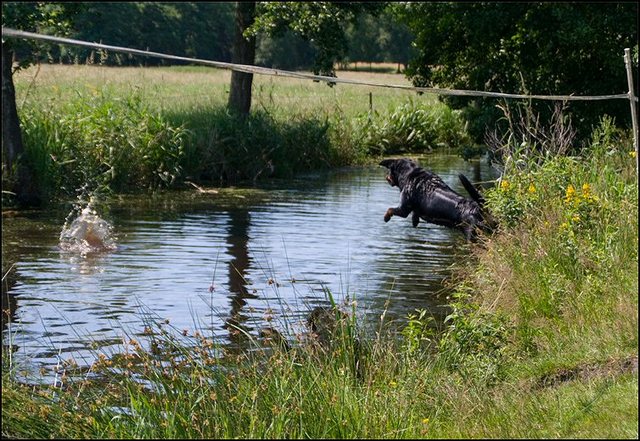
(632, 102)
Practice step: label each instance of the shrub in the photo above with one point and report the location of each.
(413, 128)
(228, 148)
(102, 142)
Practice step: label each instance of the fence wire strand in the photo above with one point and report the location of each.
(12, 33)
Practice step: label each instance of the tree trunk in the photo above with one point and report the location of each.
(11, 136)
(244, 51)
(14, 171)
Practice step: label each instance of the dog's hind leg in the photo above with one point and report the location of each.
(469, 233)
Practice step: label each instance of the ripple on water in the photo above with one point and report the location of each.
(273, 254)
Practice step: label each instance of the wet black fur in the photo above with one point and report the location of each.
(430, 199)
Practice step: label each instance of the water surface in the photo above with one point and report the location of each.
(219, 262)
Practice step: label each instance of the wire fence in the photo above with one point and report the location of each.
(630, 95)
(6, 32)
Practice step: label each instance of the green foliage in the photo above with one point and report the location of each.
(379, 38)
(475, 343)
(573, 222)
(534, 175)
(227, 148)
(102, 142)
(413, 127)
(516, 48)
(512, 200)
(171, 28)
(526, 139)
(287, 51)
(42, 17)
(321, 23)
(418, 332)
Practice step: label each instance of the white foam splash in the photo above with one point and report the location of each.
(87, 233)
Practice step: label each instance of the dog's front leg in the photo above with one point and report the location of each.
(415, 219)
(403, 211)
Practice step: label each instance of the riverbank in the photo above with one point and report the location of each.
(542, 342)
(90, 129)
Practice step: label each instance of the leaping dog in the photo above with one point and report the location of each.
(426, 195)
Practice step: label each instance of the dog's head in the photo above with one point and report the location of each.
(398, 168)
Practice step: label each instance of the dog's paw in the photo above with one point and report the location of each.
(415, 219)
(388, 215)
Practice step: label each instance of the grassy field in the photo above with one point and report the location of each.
(186, 87)
(542, 341)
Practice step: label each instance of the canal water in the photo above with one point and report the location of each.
(225, 262)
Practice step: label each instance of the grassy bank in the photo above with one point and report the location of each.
(94, 128)
(542, 342)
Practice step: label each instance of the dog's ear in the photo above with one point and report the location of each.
(410, 161)
(387, 162)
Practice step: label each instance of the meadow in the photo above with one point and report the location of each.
(186, 87)
(542, 340)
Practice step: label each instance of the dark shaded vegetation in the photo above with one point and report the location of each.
(525, 48)
(227, 149)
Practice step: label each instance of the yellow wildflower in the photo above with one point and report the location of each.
(504, 185)
(570, 194)
(575, 218)
(632, 154)
(531, 189)
(425, 421)
(586, 190)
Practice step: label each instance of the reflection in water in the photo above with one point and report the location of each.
(238, 240)
(280, 247)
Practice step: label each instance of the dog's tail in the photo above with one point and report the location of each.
(473, 191)
(489, 223)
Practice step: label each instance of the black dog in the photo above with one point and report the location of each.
(433, 201)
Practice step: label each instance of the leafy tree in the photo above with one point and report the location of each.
(379, 38)
(287, 51)
(42, 17)
(318, 22)
(396, 39)
(539, 48)
(321, 23)
(174, 28)
(207, 29)
(363, 36)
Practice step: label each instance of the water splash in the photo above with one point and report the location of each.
(87, 233)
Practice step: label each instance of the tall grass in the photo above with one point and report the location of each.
(414, 127)
(569, 268)
(102, 140)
